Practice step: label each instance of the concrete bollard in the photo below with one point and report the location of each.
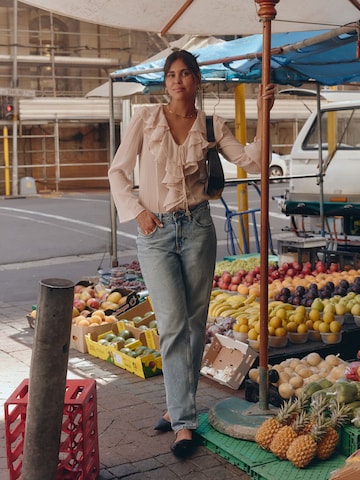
(47, 381)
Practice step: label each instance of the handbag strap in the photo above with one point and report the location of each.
(210, 128)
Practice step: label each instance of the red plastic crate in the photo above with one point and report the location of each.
(78, 450)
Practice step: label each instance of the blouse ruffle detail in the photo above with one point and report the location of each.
(178, 161)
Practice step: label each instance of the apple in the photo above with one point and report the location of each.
(320, 267)
(236, 279)
(226, 277)
(93, 303)
(79, 304)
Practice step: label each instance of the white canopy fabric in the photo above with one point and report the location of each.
(206, 17)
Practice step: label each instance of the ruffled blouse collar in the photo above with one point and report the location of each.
(179, 161)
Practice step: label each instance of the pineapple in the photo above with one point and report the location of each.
(319, 406)
(303, 449)
(284, 437)
(270, 426)
(339, 416)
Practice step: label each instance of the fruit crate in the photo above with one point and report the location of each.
(349, 440)
(78, 449)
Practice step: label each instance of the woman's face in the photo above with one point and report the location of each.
(180, 82)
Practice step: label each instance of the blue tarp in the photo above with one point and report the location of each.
(331, 61)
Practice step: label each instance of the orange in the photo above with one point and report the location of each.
(243, 289)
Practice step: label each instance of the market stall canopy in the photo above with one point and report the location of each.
(326, 57)
(206, 17)
(186, 42)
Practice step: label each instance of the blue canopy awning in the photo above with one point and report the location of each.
(297, 57)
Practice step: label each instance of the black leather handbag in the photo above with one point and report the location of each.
(216, 180)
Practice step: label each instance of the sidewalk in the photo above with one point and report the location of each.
(128, 408)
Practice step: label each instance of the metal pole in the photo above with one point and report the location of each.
(267, 12)
(15, 188)
(48, 380)
(242, 190)
(57, 154)
(321, 175)
(6, 161)
(113, 239)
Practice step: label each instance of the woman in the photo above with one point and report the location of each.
(176, 240)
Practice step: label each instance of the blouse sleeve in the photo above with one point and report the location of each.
(247, 157)
(122, 169)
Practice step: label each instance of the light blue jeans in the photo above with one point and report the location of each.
(177, 263)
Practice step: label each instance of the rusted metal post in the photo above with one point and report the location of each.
(47, 381)
(266, 12)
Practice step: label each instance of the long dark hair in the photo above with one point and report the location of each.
(188, 58)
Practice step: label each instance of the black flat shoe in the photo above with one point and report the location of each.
(163, 425)
(182, 448)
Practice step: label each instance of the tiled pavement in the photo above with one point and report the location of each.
(128, 408)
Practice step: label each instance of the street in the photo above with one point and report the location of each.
(68, 236)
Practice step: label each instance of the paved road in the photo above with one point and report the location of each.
(68, 236)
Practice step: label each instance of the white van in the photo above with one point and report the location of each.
(327, 184)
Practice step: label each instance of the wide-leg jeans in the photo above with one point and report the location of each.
(177, 262)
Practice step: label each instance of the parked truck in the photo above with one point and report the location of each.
(323, 197)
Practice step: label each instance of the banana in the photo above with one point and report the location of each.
(227, 313)
(250, 299)
(219, 309)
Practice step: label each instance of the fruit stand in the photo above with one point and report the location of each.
(313, 332)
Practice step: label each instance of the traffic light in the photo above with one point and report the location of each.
(8, 108)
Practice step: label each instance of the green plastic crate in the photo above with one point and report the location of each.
(259, 464)
(349, 440)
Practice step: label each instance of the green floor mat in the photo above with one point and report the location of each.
(259, 464)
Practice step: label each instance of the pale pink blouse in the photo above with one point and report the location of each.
(171, 176)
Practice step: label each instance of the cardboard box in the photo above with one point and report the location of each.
(132, 299)
(138, 311)
(106, 352)
(227, 361)
(149, 337)
(78, 333)
(144, 366)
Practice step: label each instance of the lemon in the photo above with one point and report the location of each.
(243, 329)
(281, 332)
(324, 327)
(253, 334)
(316, 325)
(275, 321)
(335, 326)
(271, 330)
(328, 317)
(291, 326)
(302, 328)
(314, 314)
